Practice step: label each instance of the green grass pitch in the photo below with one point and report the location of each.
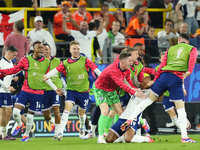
(161, 142)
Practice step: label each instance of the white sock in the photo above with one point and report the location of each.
(139, 139)
(17, 116)
(3, 131)
(120, 139)
(93, 128)
(57, 128)
(52, 120)
(175, 121)
(29, 124)
(140, 107)
(7, 127)
(64, 120)
(182, 118)
(82, 121)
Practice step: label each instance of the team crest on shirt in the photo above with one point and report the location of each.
(5, 101)
(101, 98)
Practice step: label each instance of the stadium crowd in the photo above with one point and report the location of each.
(136, 38)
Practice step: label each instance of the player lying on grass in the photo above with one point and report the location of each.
(132, 132)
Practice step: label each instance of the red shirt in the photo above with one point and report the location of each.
(149, 70)
(192, 61)
(24, 65)
(112, 77)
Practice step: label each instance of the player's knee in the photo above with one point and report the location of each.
(109, 139)
(46, 116)
(56, 111)
(127, 139)
(119, 112)
(9, 112)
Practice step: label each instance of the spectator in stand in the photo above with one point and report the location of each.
(150, 39)
(137, 10)
(18, 40)
(119, 16)
(189, 14)
(138, 26)
(168, 5)
(104, 13)
(39, 34)
(151, 44)
(83, 36)
(122, 31)
(58, 19)
(47, 15)
(111, 4)
(130, 4)
(95, 45)
(81, 14)
(183, 28)
(117, 38)
(156, 17)
(165, 35)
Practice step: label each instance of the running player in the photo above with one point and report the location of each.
(76, 71)
(177, 64)
(6, 103)
(50, 97)
(35, 66)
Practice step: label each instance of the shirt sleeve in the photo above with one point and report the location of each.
(182, 2)
(119, 81)
(61, 68)
(136, 24)
(149, 70)
(20, 66)
(163, 63)
(90, 64)
(74, 33)
(192, 60)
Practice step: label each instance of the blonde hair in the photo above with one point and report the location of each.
(74, 43)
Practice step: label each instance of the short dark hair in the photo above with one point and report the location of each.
(169, 20)
(36, 42)
(46, 44)
(104, 5)
(146, 58)
(97, 22)
(136, 8)
(121, 28)
(138, 44)
(12, 48)
(91, 25)
(19, 25)
(124, 55)
(152, 76)
(185, 36)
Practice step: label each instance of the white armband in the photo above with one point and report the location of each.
(50, 83)
(97, 71)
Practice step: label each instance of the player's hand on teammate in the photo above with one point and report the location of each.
(125, 125)
(141, 95)
(45, 78)
(11, 89)
(150, 83)
(186, 74)
(59, 92)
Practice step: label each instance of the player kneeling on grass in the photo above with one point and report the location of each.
(132, 133)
